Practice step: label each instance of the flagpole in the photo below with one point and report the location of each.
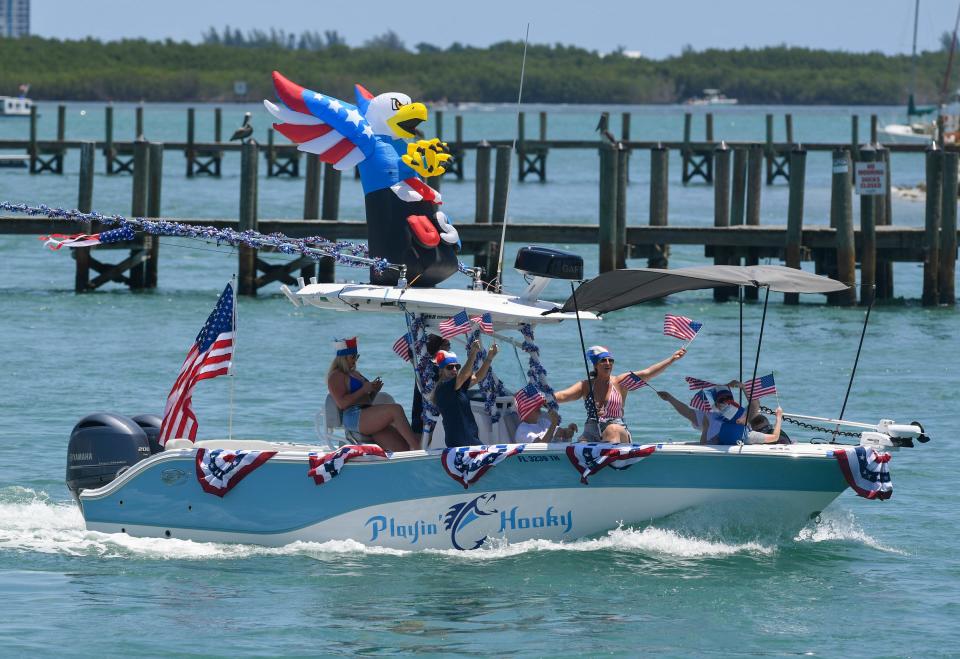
(233, 287)
(687, 345)
(756, 361)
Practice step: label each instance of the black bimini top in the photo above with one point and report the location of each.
(618, 289)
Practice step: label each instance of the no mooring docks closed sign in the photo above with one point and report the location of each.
(871, 177)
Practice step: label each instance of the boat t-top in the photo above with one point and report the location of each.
(339, 486)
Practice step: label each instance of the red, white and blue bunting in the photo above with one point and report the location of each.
(866, 470)
(466, 464)
(325, 467)
(219, 470)
(588, 459)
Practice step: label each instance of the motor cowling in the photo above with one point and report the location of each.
(150, 423)
(101, 446)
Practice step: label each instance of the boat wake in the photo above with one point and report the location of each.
(32, 522)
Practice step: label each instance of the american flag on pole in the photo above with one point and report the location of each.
(484, 322)
(57, 240)
(760, 387)
(697, 383)
(632, 382)
(458, 324)
(680, 327)
(528, 399)
(700, 402)
(402, 346)
(208, 357)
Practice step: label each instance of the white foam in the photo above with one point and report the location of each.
(842, 526)
(651, 540)
(31, 522)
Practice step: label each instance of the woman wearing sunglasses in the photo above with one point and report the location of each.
(354, 394)
(609, 394)
(459, 426)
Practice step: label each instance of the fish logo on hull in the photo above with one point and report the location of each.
(462, 515)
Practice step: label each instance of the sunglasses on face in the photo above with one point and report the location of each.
(355, 357)
(606, 359)
(452, 367)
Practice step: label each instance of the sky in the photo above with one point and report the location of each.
(657, 29)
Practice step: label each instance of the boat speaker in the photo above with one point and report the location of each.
(101, 446)
(551, 263)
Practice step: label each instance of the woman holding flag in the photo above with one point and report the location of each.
(609, 392)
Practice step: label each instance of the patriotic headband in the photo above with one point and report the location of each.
(596, 353)
(445, 358)
(345, 347)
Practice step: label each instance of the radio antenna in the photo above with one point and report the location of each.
(513, 149)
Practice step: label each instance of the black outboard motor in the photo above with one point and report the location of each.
(102, 445)
(151, 425)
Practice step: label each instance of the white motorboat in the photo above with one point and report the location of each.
(711, 97)
(340, 487)
(15, 106)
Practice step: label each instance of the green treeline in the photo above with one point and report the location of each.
(134, 70)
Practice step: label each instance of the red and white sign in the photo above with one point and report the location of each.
(871, 178)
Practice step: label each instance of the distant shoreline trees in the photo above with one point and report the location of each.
(136, 69)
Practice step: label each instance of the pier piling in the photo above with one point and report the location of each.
(608, 208)
(659, 198)
(312, 180)
(154, 194)
(946, 282)
(738, 194)
(249, 157)
(793, 250)
(623, 164)
(484, 254)
(868, 234)
(841, 219)
(84, 205)
(141, 192)
(931, 234)
(721, 210)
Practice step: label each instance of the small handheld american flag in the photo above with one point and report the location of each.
(208, 358)
(760, 387)
(632, 382)
(697, 383)
(528, 399)
(680, 327)
(700, 402)
(458, 324)
(484, 322)
(402, 346)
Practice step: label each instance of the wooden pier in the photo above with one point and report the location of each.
(734, 169)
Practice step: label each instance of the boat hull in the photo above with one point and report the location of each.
(412, 503)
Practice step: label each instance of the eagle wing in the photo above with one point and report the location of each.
(331, 128)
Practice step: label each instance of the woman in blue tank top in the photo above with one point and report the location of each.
(354, 394)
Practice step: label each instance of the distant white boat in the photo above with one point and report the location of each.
(15, 106)
(912, 133)
(712, 97)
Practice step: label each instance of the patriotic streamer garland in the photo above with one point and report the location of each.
(536, 372)
(424, 369)
(315, 247)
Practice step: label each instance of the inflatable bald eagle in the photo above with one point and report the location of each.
(404, 223)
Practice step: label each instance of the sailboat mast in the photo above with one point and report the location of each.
(953, 48)
(913, 59)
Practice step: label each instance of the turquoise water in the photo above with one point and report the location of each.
(870, 579)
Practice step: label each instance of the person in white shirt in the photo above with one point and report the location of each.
(537, 427)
